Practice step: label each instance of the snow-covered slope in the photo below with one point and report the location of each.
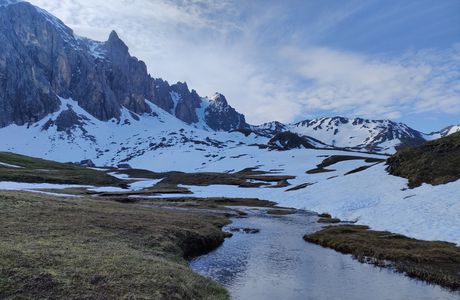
(72, 134)
(375, 135)
(165, 127)
(371, 197)
(160, 142)
(442, 133)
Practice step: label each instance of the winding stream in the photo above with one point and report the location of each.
(277, 263)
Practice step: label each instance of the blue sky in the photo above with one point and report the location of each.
(297, 59)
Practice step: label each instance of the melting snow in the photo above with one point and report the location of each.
(161, 142)
(17, 186)
(10, 166)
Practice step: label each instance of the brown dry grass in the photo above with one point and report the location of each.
(55, 248)
(433, 261)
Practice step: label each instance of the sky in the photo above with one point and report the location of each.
(292, 60)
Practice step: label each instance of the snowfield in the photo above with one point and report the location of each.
(371, 197)
(135, 186)
(160, 142)
(18, 186)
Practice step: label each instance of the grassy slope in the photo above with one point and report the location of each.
(36, 170)
(58, 248)
(433, 261)
(435, 162)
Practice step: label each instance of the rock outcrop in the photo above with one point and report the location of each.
(41, 59)
(287, 140)
(221, 116)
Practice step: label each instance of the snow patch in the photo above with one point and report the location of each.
(18, 186)
(10, 166)
(54, 194)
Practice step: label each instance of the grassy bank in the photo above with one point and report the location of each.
(432, 261)
(36, 170)
(435, 162)
(55, 248)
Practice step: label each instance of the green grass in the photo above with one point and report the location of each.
(36, 170)
(433, 261)
(55, 248)
(435, 162)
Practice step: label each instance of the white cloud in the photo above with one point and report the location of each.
(199, 41)
(356, 84)
(235, 47)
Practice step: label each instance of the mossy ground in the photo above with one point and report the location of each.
(435, 162)
(281, 212)
(433, 261)
(36, 170)
(55, 248)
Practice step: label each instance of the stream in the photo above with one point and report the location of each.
(276, 263)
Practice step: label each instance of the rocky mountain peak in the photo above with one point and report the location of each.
(219, 99)
(41, 60)
(221, 116)
(113, 37)
(116, 47)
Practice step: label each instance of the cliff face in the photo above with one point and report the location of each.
(41, 59)
(221, 116)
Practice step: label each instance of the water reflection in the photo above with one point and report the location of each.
(277, 264)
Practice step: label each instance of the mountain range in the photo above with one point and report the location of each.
(68, 97)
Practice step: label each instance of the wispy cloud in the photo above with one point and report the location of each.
(281, 61)
(357, 84)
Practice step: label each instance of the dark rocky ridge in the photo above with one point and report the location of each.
(41, 60)
(288, 140)
(221, 116)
